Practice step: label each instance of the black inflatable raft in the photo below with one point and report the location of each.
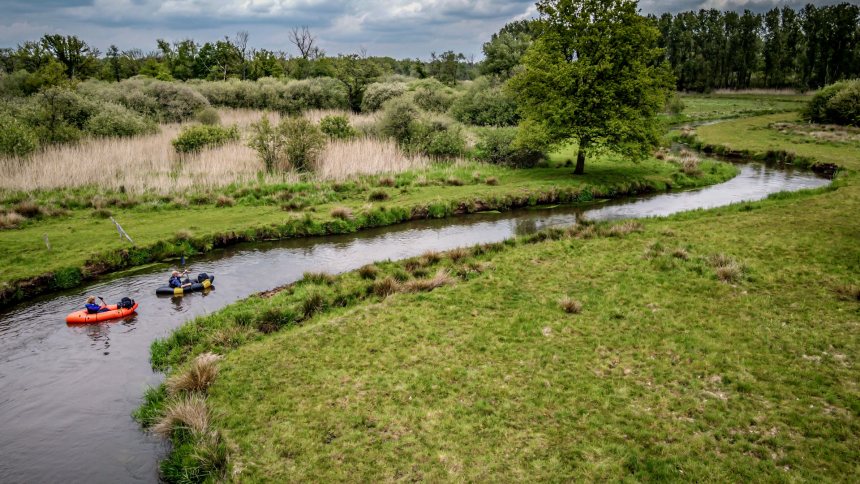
(204, 281)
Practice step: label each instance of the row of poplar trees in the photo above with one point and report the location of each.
(782, 48)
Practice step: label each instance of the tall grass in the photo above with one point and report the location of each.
(149, 164)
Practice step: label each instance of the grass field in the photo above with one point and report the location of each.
(703, 107)
(167, 229)
(711, 345)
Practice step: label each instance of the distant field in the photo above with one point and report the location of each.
(702, 107)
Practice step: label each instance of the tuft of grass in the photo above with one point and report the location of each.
(11, 219)
(848, 292)
(28, 208)
(727, 269)
(386, 181)
(318, 278)
(102, 213)
(224, 201)
(184, 234)
(342, 213)
(430, 257)
(378, 196)
(313, 302)
(458, 254)
(454, 181)
(189, 413)
(569, 305)
(369, 271)
(442, 278)
(197, 377)
(625, 228)
(492, 181)
(681, 253)
(385, 287)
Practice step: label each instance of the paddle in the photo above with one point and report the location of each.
(104, 303)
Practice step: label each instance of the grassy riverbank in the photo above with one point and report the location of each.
(84, 242)
(709, 345)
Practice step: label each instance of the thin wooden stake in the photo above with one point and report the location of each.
(47, 242)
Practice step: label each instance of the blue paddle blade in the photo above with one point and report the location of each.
(183, 260)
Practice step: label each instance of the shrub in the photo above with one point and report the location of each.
(485, 104)
(208, 116)
(432, 95)
(16, 138)
(837, 103)
(117, 120)
(337, 127)
(378, 93)
(195, 138)
(316, 93)
(674, 104)
(447, 142)
(58, 115)
(500, 146)
(303, 142)
(268, 141)
(398, 120)
(177, 102)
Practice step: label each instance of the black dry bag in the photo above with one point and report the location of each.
(202, 277)
(125, 303)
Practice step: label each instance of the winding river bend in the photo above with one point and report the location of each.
(67, 393)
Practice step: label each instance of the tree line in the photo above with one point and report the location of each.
(782, 48)
(232, 57)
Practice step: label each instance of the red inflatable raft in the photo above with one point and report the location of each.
(83, 317)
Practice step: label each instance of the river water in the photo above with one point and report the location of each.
(67, 392)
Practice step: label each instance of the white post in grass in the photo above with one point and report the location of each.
(47, 242)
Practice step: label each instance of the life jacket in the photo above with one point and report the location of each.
(175, 281)
(93, 308)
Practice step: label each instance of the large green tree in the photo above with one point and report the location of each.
(593, 76)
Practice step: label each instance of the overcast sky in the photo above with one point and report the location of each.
(398, 28)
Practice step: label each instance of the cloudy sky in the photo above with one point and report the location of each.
(399, 28)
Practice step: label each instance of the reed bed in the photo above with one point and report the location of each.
(149, 164)
(364, 156)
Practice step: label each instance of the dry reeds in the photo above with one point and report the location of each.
(385, 287)
(197, 377)
(342, 159)
(188, 413)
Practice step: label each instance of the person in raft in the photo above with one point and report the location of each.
(176, 280)
(92, 307)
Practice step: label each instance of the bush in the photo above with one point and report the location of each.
(58, 115)
(337, 127)
(485, 104)
(439, 141)
(837, 103)
(16, 138)
(398, 120)
(303, 142)
(378, 93)
(177, 102)
(500, 146)
(432, 95)
(117, 120)
(295, 141)
(195, 138)
(674, 104)
(208, 116)
(317, 93)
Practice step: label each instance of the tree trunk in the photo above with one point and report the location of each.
(580, 161)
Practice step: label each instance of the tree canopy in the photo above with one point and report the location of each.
(593, 76)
